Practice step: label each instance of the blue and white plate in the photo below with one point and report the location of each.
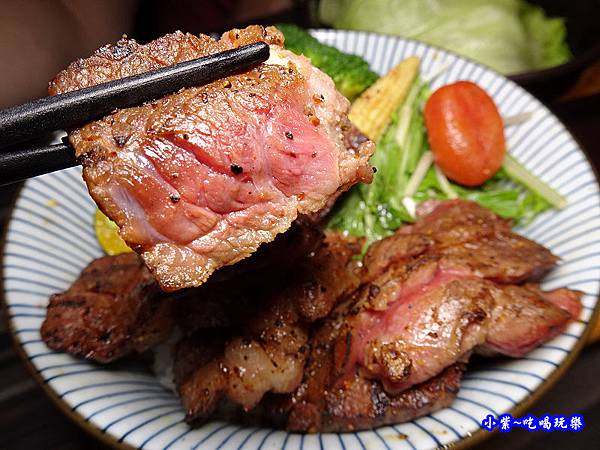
(50, 238)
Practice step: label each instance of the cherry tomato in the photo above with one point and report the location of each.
(465, 132)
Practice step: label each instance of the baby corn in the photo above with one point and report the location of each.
(371, 112)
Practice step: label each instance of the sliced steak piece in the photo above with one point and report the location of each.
(566, 299)
(377, 361)
(455, 221)
(262, 345)
(504, 258)
(465, 231)
(113, 309)
(422, 317)
(398, 248)
(526, 316)
(200, 179)
(362, 404)
(239, 369)
(324, 276)
(332, 399)
(406, 326)
(469, 238)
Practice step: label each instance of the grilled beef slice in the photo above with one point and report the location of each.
(116, 307)
(113, 309)
(262, 345)
(432, 294)
(319, 343)
(201, 178)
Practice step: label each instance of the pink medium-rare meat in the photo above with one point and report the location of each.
(482, 242)
(395, 347)
(566, 299)
(200, 179)
(432, 293)
(374, 362)
(439, 288)
(413, 324)
(525, 316)
(333, 397)
(410, 325)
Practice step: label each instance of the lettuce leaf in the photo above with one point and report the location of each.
(506, 198)
(547, 37)
(510, 36)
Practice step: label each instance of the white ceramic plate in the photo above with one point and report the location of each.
(50, 238)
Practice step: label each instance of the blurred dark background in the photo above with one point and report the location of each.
(40, 37)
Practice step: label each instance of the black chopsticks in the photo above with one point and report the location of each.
(21, 163)
(71, 109)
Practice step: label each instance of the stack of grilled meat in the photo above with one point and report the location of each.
(305, 334)
(319, 340)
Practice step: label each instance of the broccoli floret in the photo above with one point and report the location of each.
(350, 73)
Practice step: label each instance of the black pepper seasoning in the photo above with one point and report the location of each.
(120, 140)
(289, 135)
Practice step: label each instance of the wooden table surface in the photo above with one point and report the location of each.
(29, 421)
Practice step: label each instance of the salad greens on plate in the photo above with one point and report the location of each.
(378, 209)
(406, 173)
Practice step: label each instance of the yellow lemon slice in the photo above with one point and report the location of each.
(107, 233)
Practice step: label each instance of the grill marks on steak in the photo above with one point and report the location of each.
(199, 179)
(334, 397)
(425, 305)
(525, 316)
(467, 238)
(113, 309)
(263, 346)
(408, 329)
(412, 325)
(362, 404)
(314, 342)
(116, 308)
(445, 294)
(331, 398)
(127, 58)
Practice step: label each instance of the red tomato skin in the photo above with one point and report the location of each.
(465, 132)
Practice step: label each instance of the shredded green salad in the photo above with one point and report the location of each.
(406, 176)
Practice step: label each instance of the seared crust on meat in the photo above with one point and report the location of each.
(200, 179)
(467, 237)
(362, 404)
(113, 309)
(262, 346)
(127, 58)
(321, 342)
(394, 348)
(331, 399)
